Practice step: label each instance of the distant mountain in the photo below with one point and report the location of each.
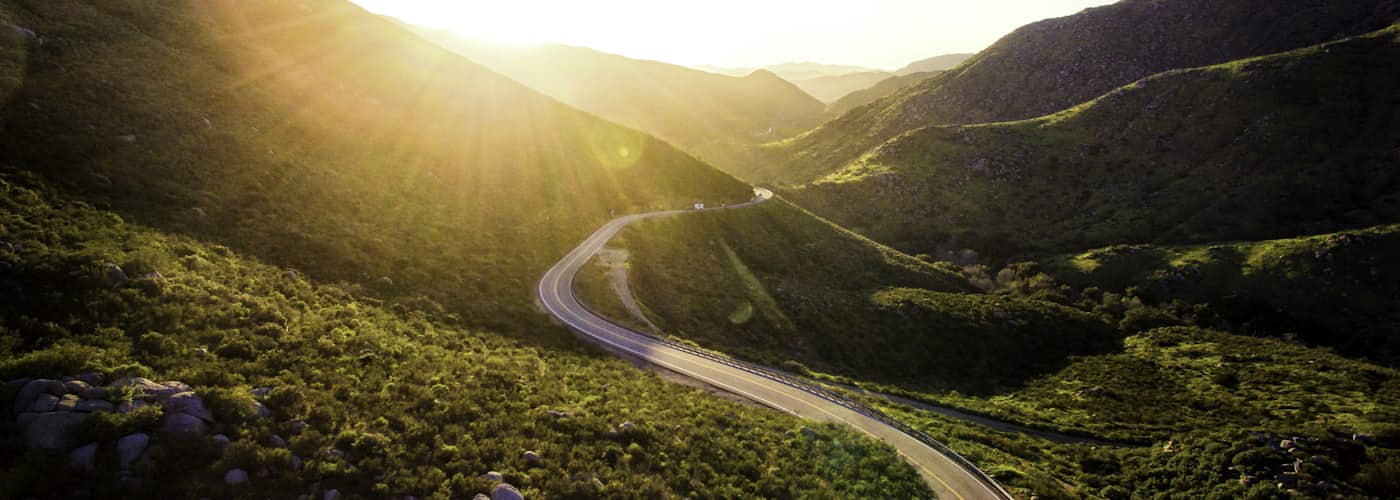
(830, 88)
(873, 93)
(935, 63)
(1306, 141)
(1054, 64)
(808, 70)
(712, 116)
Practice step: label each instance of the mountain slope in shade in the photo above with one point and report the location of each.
(875, 92)
(1053, 64)
(1302, 142)
(712, 116)
(829, 88)
(936, 63)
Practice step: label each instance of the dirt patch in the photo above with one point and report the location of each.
(615, 261)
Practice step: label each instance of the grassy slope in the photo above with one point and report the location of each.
(742, 282)
(321, 124)
(1301, 142)
(421, 405)
(1054, 64)
(879, 90)
(716, 117)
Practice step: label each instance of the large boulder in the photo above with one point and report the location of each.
(44, 403)
(145, 386)
(130, 448)
(493, 476)
(53, 431)
(68, 402)
(236, 477)
(531, 457)
(94, 405)
(182, 423)
(33, 389)
(190, 404)
(114, 276)
(84, 458)
(505, 491)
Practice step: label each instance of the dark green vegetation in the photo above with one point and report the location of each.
(1296, 143)
(1054, 64)
(421, 405)
(716, 117)
(874, 92)
(1123, 343)
(417, 196)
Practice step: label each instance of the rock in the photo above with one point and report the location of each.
(53, 431)
(189, 404)
(182, 423)
(221, 439)
(626, 426)
(505, 491)
(96, 393)
(114, 276)
(130, 406)
(68, 402)
(177, 386)
(198, 212)
(102, 181)
(92, 379)
(44, 403)
(296, 463)
(130, 447)
(289, 274)
(129, 138)
(331, 495)
(480, 496)
(26, 418)
(235, 477)
(5, 246)
(558, 414)
(142, 385)
(295, 426)
(262, 392)
(84, 458)
(277, 441)
(94, 405)
(493, 476)
(386, 281)
(77, 386)
(531, 457)
(33, 389)
(201, 351)
(260, 410)
(336, 453)
(1286, 444)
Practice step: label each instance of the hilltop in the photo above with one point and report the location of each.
(877, 91)
(306, 197)
(936, 63)
(829, 88)
(715, 117)
(1054, 64)
(1300, 142)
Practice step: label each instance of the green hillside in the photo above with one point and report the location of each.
(1300, 142)
(877, 91)
(1054, 64)
(716, 117)
(308, 197)
(415, 403)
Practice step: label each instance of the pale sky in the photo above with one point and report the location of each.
(883, 34)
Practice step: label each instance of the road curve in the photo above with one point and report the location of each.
(947, 474)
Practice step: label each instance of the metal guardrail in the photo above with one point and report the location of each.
(812, 388)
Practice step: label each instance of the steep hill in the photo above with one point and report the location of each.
(1302, 142)
(936, 63)
(712, 116)
(829, 88)
(1054, 64)
(875, 92)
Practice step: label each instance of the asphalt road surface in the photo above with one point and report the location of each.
(946, 474)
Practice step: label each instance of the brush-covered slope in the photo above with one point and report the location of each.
(877, 91)
(1054, 64)
(830, 88)
(1302, 142)
(778, 285)
(936, 63)
(412, 402)
(712, 116)
(317, 136)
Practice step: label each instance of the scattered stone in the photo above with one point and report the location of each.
(115, 277)
(493, 476)
(130, 448)
(505, 491)
(84, 458)
(295, 426)
(386, 281)
(182, 423)
(189, 404)
(235, 477)
(128, 138)
(198, 212)
(33, 389)
(558, 414)
(296, 463)
(102, 181)
(177, 386)
(222, 440)
(807, 432)
(44, 403)
(260, 410)
(92, 379)
(77, 386)
(94, 406)
(262, 392)
(335, 453)
(331, 495)
(480, 496)
(626, 426)
(1286, 444)
(201, 351)
(277, 441)
(68, 402)
(53, 431)
(289, 274)
(531, 457)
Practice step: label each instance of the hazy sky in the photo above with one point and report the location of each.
(877, 33)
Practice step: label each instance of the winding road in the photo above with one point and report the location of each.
(949, 475)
